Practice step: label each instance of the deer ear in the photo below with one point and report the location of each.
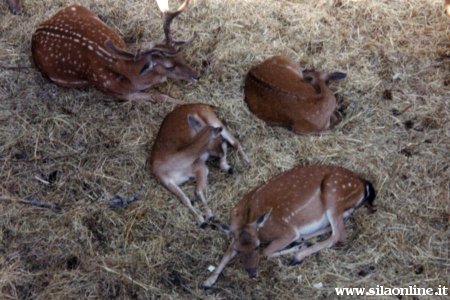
(262, 219)
(147, 67)
(194, 122)
(336, 76)
(112, 49)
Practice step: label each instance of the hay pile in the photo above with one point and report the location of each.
(73, 149)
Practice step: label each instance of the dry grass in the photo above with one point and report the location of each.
(73, 149)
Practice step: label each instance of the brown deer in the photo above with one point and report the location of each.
(188, 136)
(291, 208)
(447, 7)
(74, 48)
(279, 93)
(14, 6)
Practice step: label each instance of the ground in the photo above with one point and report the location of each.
(73, 149)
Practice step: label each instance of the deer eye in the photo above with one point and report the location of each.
(171, 68)
(308, 79)
(148, 66)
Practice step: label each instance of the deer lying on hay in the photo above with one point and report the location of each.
(279, 93)
(289, 209)
(74, 48)
(188, 136)
(14, 6)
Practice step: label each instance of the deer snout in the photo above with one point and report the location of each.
(195, 78)
(252, 272)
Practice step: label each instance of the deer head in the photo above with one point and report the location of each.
(246, 243)
(163, 60)
(314, 77)
(173, 64)
(208, 138)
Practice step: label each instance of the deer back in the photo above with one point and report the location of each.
(276, 91)
(69, 47)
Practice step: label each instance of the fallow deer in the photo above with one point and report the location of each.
(279, 93)
(447, 7)
(14, 6)
(188, 136)
(74, 48)
(291, 208)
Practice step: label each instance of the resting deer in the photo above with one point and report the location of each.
(74, 48)
(291, 208)
(447, 7)
(279, 93)
(14, 6)
(188, 136)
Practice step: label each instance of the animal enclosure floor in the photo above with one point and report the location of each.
(73, 149)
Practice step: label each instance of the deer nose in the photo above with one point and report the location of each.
(251, 272)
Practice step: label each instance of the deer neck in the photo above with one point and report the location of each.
(129, 68)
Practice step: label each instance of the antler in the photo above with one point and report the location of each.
(168, 18)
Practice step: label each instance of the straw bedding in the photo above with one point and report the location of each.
(74, 149)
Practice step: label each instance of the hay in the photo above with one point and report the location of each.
(73, 149)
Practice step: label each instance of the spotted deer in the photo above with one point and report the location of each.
(297, 205)
(188, 136)
(447, 7)
(281, 94)
(74, 48)
(14, 6)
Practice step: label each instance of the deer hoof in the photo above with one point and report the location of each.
(205, 286)
(294, 262)
(210, 219)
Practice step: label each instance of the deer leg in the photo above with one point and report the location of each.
(172, 187)
(276, 247)
(301, 243)
(141, 97)
(229, 255)
(223, 159)
(304, 127)
(338, 233)
(201, 179)
(235, 143)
